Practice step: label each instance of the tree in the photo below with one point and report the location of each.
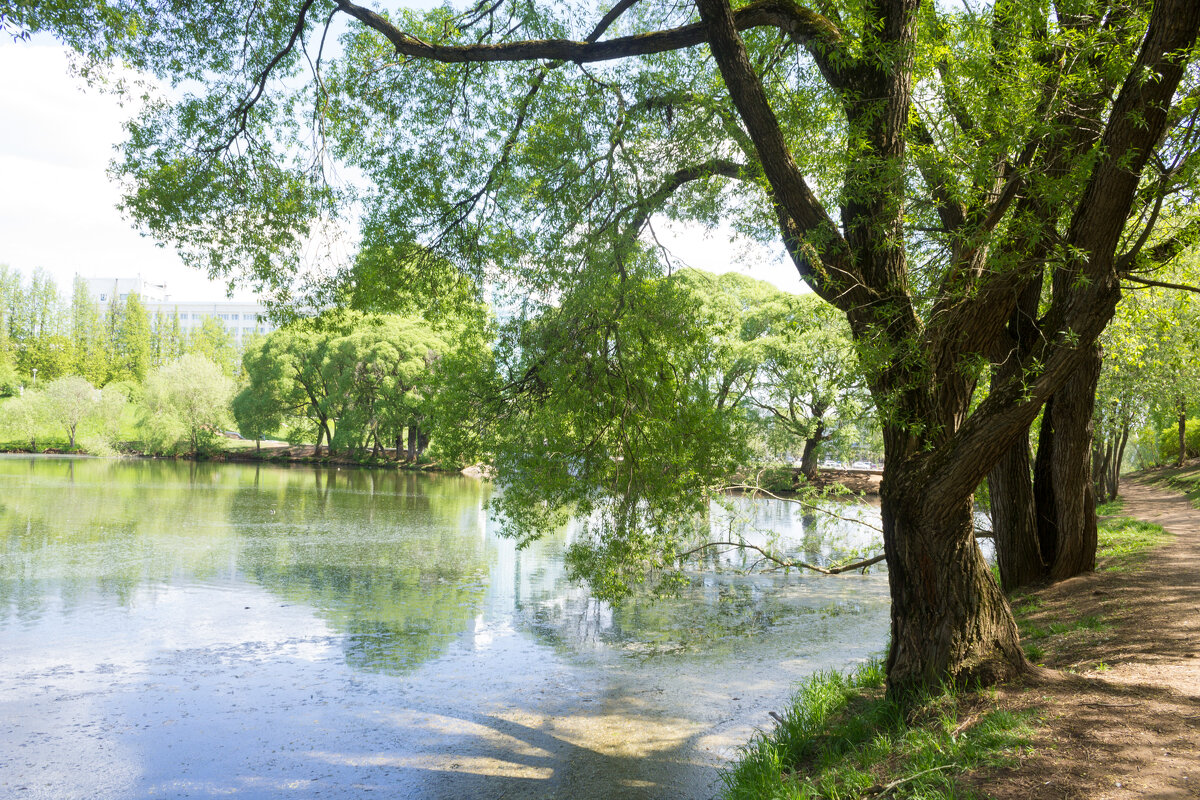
(187, 399)
(167, 338)
(110, 413)
(924, 168)
(811, 382)
(362, 379)
(257, 414)
(87, 334)
(70, 400)
(212, 341)
(27, 416)
(130, 347)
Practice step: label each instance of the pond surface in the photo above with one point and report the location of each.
(195, 630)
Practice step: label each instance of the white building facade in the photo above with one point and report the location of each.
(242, 320)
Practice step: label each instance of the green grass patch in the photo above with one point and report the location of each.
(1111, 508)
(844, 738)
(1124, 542)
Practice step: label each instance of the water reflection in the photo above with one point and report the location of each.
(325, 629)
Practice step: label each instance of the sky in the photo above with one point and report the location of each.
(58, 206)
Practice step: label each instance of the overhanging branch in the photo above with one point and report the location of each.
(802, 25)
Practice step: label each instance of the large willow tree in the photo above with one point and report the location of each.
(933, 173)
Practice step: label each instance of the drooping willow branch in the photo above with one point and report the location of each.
(750, 488)
(786, 563)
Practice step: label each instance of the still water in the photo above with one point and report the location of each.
(199, 630)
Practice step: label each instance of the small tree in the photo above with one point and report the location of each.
(110, 412)
(69, 401)
(257, 414)
(26, 416)
(186, 399)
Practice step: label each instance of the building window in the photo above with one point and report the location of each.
(103, 298)
(195, 316)
(233, 316)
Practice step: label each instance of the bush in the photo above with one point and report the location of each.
(1168, 441)
(777, 479)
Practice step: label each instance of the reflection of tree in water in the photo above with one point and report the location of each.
(391, 561)
(103, 529)
(395, 561)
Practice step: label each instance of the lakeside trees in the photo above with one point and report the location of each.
(359, 380)
(925, 170)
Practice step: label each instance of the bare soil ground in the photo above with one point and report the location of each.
(1120, 718)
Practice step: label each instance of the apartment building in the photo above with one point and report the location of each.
(239, 318)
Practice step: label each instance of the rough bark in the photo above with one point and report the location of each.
(1182, 432)
(1014, 521)
(1063, 491)
(812, 449)
(950, 620)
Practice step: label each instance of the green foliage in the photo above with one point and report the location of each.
(71, 400)
(186, 402)
(257, 414)
(604, 406)
(361, 380)
(130, 348)
(27, 417)
(10, 380)
(213, 342)
(1168, 441)
(842, 738)
(87, 335)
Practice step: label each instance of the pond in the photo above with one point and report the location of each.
(173, 629)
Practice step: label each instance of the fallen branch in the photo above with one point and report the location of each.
(880, 791)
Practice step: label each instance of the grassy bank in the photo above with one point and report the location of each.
(842, 738)
(1185, 479)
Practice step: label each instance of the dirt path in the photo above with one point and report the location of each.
(1128, 726)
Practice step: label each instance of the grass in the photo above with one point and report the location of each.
(1035, 632)
(1125, 542)
(844, 738)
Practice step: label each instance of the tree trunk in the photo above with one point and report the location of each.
(1062, 486)
(950, 621)
(1182, 432)
(320, 434)
(422, 441)
(812, 448)
(1014, 521)
(412, 441)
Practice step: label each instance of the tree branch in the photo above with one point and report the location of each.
(786, 563)
(803, 26)
(1162, 284)
(825, 266)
